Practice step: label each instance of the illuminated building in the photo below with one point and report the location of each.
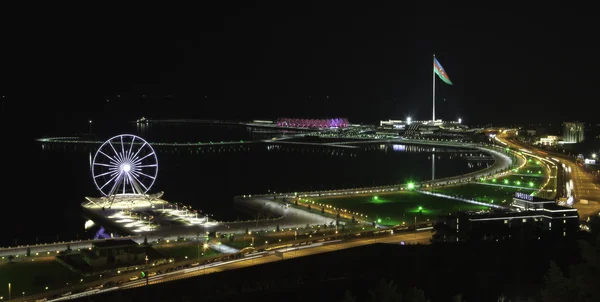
(313, 123)
(551, 219)
(573, 132)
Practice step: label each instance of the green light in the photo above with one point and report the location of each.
(411, 186)
(375, 197)
(482, 179)
(494, 180)
(537, 162)
(379, 220)
(507, 149)
(492, 201)
(529, 160)
(518, 183)
(506, 181)
(539, 172)
(420, 208)
(143, 274)
(531, 183)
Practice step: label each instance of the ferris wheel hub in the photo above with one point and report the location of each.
(125, 167)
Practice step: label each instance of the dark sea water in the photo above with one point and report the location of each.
(208, 180)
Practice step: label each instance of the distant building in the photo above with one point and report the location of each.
(573, 132)
(114, 252)
(544, 215)
(549, 140)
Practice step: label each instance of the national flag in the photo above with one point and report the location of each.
(439, 70)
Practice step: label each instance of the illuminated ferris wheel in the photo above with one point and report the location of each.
(124, 164)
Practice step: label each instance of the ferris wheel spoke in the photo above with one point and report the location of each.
(140, 149)
(105, 173)
(111, 179)
(140, 159)
(122, 147)
(115, 150)
(146, 166)
(135, 184)
(105, 165)
(114, 161)
(144, 174)
(130, 148)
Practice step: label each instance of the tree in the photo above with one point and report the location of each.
(68, 247)
(296, 201)
(557, 286)
(416, 295)
(145, 240)
(277, 229)
(337, 217)
(28, 252)
(10, 258)
(246, 231)
(348, 297)
(309, 207)
(385, 292)
(353, 219)
(324, 226)
(323, 210)
(343, 225)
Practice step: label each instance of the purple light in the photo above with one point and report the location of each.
(101, 234)
(313, 123)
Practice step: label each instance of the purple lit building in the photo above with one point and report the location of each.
(313, 123)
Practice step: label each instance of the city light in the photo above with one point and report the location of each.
(411, 186)
(594, 155)
(459, 120)
(408, 120)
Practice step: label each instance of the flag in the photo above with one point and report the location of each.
(439, 70)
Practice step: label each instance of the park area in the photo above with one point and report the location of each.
(181, 250)
(396, 208)
(27, 276)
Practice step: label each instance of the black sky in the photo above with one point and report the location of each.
(264, 61)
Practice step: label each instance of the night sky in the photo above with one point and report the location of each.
(311, 60)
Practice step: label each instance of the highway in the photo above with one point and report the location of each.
(575, 181)
(420, 237)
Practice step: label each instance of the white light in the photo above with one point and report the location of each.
(126, 167)
(90, 121)
(594, 155)
(408, 120)
(459, 120)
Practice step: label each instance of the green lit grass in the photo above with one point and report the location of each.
(396, 208)
(180, 250)
(33, 276)
(482, 193)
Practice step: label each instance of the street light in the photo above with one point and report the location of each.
(594, 155)
(90, 123)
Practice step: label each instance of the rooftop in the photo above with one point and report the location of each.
(115, 243)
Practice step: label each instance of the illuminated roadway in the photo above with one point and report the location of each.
(422, 237)
(581, 184)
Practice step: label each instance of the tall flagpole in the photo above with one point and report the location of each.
(433, 88)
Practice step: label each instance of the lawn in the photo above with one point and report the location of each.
(398, 207)
(33, 276)
(180, 250)
(483, 193)
(285, 235)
